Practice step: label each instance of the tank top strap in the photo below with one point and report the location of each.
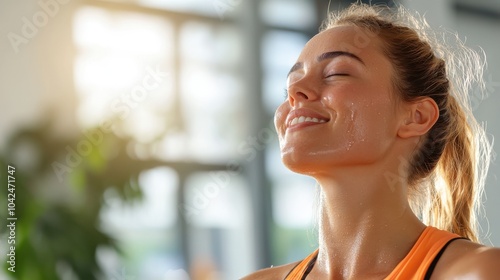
(302, 269)
(423, 255)
(417, 265)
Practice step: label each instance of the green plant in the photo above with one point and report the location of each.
(58, 220)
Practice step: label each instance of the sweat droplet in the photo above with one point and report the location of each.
(349, 145)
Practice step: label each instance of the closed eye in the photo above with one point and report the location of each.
(337, 74)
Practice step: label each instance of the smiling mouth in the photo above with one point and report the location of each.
(302, 119)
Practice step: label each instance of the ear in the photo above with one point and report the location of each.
(420, 116)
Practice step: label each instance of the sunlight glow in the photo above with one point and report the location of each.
(118, 55)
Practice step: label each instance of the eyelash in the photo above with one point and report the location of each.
(337, 74)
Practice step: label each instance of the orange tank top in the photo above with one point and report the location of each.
(417, 265)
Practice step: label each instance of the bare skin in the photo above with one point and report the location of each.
(356, 138)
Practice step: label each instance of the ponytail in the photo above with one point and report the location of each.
(453, 192)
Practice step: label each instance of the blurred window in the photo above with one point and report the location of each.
(122, 70)
(295, 14)
(145, 230)
(211, 90)
(174, 85)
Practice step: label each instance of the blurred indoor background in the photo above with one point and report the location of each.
(142, 136)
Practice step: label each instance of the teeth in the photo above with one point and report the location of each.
(302, 119)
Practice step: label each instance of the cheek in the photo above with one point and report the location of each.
(371, 125)
(280, 118)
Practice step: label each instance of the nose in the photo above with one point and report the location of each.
(302, 91)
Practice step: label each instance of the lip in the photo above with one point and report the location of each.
(305, 113)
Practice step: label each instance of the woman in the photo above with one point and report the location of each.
(375, 116)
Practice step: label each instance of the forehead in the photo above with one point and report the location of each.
(353, 39)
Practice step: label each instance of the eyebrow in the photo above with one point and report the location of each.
(327, 55)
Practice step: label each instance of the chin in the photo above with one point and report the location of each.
(310, 163)
(303, 164)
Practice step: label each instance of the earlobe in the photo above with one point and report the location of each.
(421, 116)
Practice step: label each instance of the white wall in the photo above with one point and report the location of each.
(38, 76)
(485, 33)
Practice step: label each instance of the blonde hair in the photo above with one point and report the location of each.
(447, 173)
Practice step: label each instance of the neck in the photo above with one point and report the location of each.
(366, 226)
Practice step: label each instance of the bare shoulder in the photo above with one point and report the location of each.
(273, 273)
(464, 259)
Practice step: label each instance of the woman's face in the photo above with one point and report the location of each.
(340, 109)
